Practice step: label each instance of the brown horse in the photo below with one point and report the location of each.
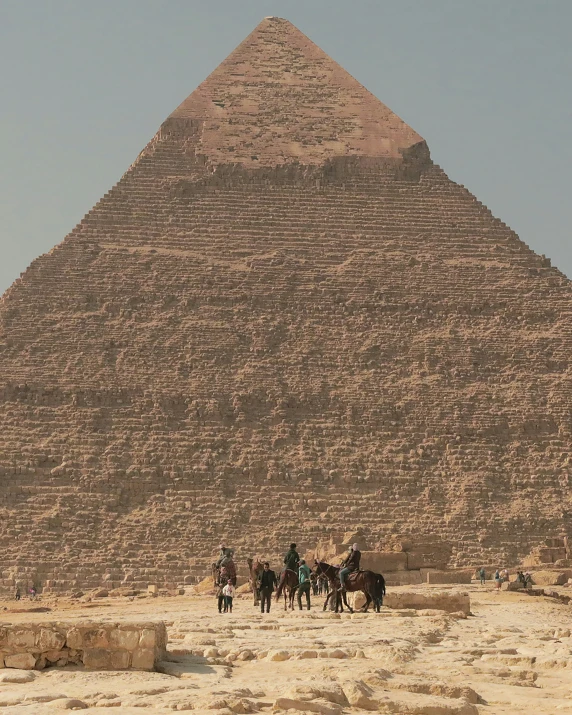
(289, 584)
(255, 568)
(370, 583)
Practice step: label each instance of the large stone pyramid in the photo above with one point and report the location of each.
(284, 322)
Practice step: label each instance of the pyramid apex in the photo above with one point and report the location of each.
(278, 98)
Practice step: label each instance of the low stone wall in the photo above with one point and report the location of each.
(451, 601)
(449, 576)
(96, 645)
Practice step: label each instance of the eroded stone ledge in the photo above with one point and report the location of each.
(96, 645)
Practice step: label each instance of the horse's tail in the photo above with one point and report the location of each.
(281, 585)
(379, 586)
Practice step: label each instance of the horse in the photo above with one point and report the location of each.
(255, 568)
(289, 584)
(370, 583)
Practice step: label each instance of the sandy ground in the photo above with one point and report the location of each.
(512, 656)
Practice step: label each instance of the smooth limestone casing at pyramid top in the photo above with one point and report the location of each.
(283, 322)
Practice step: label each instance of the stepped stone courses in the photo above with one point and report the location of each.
(284, 321)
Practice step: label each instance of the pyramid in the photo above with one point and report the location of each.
(284, 322)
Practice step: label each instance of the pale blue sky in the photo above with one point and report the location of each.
(85, 84)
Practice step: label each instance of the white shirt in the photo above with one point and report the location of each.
(228, 590)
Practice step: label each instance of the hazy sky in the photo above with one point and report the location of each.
(84, 85)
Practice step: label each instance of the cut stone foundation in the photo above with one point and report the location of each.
(96, 645)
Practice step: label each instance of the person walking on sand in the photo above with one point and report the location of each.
(228, 592)
(304, 581)
(268, 581)
(482, 575)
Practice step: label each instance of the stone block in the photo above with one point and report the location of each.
(143, 659)
(21, 639)
(148, 638)
(22, 661)
(384, 561)
(74, 638)
(120, 660)
(124, 638)
(449, 576)
(49, 639)
(97, 658)
(403, 578)
(550, 578)
(450, 601)
(95, 638)
(52, 656)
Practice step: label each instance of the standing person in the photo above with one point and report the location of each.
(33, 593)
(18, 594)
(267, 583)
(482, 575)
(304, 574)
(498, 580)
(228, 592)
(350, 564)
(292, 559)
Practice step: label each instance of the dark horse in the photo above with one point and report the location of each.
(289, 584)
(370, 583)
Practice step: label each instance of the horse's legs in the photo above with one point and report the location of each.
(369, 599)
(328, 596)
(346, 604)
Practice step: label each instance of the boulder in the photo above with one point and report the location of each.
(17, 676)
(359, 695)
(23, 661)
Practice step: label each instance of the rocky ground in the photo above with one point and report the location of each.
(512, 655)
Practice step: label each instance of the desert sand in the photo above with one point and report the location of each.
(511, 655)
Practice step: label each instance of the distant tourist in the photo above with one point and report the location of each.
(304, 583)
(18, 595)
(228, 592)
(266, 584)
(482, 575)
(498, 579)
(32, 593)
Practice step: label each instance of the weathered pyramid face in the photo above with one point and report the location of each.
(284, 322)
(278, 98)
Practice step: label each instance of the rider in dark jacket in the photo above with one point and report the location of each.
(292, 559)
(350, 565)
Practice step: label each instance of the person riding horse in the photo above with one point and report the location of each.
(349, 565)
(292, 559)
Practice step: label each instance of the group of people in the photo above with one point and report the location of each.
(502, 575)
(267, 580)
(31, 593)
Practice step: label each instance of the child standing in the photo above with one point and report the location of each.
(228, 593)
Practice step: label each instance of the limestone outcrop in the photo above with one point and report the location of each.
(284, 321)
